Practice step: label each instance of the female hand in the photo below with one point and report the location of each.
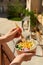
(13, 33)
(22, 57)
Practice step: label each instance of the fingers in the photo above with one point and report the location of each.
(29, 54)
(22, 57)
(26, 56)
(19, 29)
(16, 29)
(13, 29)
(17, 32)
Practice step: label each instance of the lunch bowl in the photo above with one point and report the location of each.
(27, 46)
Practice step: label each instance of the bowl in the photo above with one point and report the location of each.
(32, 49)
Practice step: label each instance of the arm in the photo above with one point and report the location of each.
(14, 33)
(2, 39)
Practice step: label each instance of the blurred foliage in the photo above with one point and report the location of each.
(16, 11)
(33, 19)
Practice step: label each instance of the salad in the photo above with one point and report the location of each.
(25, 45)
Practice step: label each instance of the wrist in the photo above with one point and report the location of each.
(2, 39)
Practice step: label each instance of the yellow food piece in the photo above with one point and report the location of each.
(26, 44)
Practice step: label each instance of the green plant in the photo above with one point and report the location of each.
(25, 12)
(10, 10)
(33, 19)
(16, 18)
(15, 10)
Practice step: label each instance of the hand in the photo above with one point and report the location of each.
(18, 32)
(14, 33)
(22, 57)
